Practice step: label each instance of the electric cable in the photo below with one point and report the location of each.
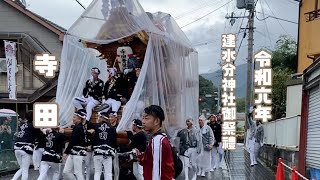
(207, 14)
(275, 16)
(186, 13)
(80, 4)
(244, 35)
(266, 24)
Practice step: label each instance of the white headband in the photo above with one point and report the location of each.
(96, 70)
(105, 117)
(82, 116)
(202, 117)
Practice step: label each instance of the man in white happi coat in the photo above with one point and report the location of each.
(256, 135)
(189, 147)
(204, 159)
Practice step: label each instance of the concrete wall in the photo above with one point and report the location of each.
(308, 41)
(12, 20)
(294, 97)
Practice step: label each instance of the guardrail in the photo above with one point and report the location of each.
(283, 133)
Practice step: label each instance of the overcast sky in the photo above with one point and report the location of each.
(205, 34)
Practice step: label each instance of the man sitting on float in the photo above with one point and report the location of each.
(92, 94)
(114, 91)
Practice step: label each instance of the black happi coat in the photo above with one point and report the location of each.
(53, 147)
(118, 89)
(217, 131)
(26, 138)
(131, 81)
(93, 89)
(89, 138)
(105, 140)
(40, 139)
(78, 141)
(138, 140)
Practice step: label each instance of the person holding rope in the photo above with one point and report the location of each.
(52, 155)
(138, 140)
(77, 148)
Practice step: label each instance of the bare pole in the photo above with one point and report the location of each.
(249, 61)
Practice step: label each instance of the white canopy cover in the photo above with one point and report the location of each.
(169, 75)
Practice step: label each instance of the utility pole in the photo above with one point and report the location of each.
(249, 61)
(250, 6)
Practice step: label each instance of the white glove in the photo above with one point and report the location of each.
(44, 131)
(126, 71)
(103, 101)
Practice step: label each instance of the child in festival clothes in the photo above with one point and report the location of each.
(157, 160)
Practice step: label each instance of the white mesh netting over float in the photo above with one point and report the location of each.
(169, 74)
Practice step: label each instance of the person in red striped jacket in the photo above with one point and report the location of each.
(157, 160)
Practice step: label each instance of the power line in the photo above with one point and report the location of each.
(275, 16)
(80, 4)
(207, 14)
(244, 14)
(265, 22)
(244, 35)
(204, 44)
(204, 5)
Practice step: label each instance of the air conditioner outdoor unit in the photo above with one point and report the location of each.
(3, 66)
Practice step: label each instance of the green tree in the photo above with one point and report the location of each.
(206, 87)
(284, 63)
(279, 91)
(285, 54)
(241, 105)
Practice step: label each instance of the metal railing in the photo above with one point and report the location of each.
(283, 133)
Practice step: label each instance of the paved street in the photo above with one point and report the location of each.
(216, 175)
(235, 167)
(238, 162)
